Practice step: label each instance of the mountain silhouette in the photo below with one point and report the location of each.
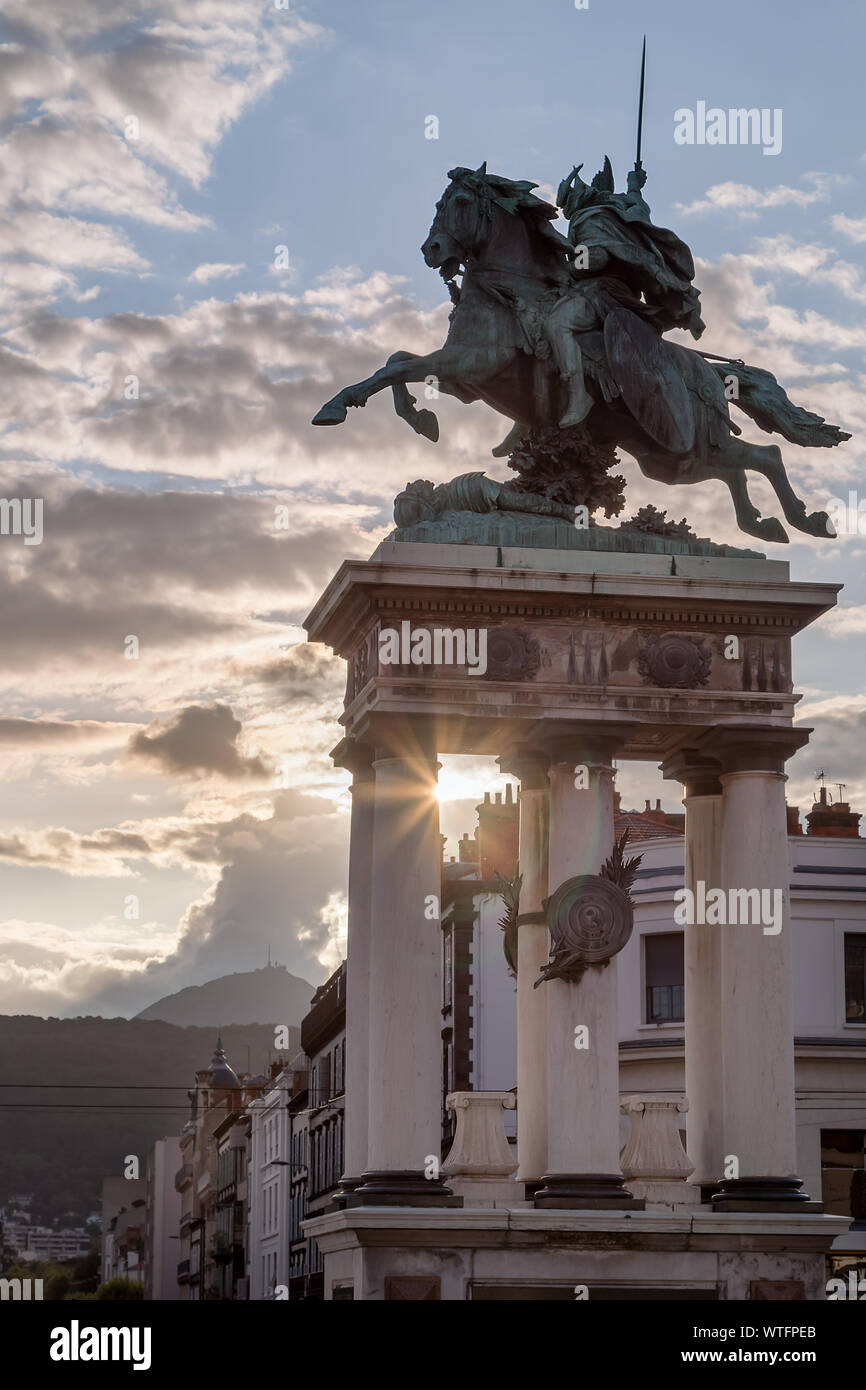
(271, 995)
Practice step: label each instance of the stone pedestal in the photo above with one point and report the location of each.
(481, 1160)
(633, 652)
(654, 1162)
(522, 1253)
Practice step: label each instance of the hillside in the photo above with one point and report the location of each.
(78, 1094)
(270, 995)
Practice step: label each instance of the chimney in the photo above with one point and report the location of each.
(837, 822)
(793, 814)
(467, 850)
(497, 836)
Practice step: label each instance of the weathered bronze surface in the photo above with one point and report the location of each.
(567, 334)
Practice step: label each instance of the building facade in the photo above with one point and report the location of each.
(162, 1220)
(828, 923)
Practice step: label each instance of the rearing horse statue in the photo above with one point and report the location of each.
(522, 296)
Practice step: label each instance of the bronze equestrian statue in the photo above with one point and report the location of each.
(569, 333)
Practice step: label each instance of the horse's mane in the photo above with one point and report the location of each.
(514, 196)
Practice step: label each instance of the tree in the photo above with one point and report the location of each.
(120, 1288)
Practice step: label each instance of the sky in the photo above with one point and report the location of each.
(210, 220)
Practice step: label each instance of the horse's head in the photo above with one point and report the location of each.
(479, 209)
(461, 221)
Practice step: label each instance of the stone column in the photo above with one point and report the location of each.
(533, 941)
(702, 945)
(757, 1012)
(583, 1168)
(405, 991)
(358, 758)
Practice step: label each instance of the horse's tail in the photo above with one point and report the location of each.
(760, 396)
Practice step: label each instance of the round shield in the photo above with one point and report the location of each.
(651, 386)
(590, 918)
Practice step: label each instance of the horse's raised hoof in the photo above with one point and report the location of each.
(769, 528)
(334, 413)
(425, 423)
(819, 524)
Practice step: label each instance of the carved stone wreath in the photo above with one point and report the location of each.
(590, 919)
(512, 655)
(683, 662)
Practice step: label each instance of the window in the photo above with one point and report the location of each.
(325, 1080)
(855, 978)
(664, 972)
(447, 970)
(842, 1152)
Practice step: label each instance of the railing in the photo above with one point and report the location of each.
(183, 1271)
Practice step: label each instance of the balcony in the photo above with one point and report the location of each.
(183, 1272)
(183, 1177)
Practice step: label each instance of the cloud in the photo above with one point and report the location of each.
(198, 739)
(747, 201)
(214, 270)
(852, 227)
(41, 732)
(105, 107)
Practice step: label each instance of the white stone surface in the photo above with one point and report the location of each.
(533, 945)
(654, 1149)
(583, 1083)
(355, 1160)
(757, 1013)
(480, 1148)
(703, 987)
(405, 968)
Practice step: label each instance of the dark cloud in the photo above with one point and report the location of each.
(306, 673)
(200, 739)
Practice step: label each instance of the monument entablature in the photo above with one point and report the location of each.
(675, 654)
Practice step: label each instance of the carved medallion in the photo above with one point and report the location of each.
(512, 655)
(590, 919)
(683, 662)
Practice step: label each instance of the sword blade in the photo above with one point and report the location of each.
(640, 102)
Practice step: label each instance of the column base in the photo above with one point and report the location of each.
(589, 1191)
(763, 1194)
(346, 1191)
(402, 1189)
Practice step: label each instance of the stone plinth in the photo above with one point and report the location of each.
(481, 1159)
(522, 1253)
(654, 1162)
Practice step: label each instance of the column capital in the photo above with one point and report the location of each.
(582, 741)
(752, 748)
(698, 773)
(528, 764)
(356, 757)
(408, 736)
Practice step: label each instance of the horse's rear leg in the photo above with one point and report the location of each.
(767, 459)
(749, 519)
